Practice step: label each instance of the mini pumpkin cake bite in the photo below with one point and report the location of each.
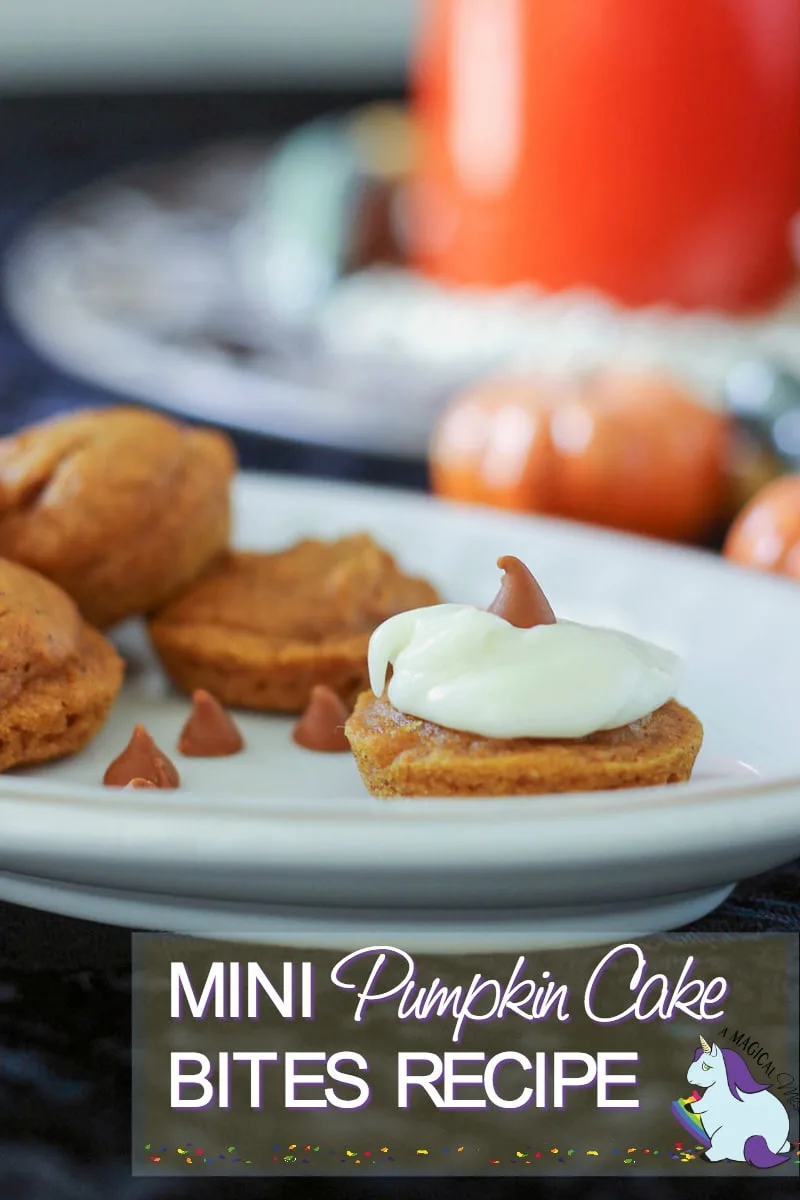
(120, 507)
(58, 676)
(510, 701)
(260, 631)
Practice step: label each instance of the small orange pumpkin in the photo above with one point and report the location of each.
(766, 534)
(635, 452)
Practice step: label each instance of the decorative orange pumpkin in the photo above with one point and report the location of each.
(630, 451)
(766, 534)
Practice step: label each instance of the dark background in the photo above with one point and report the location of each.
(64, 985)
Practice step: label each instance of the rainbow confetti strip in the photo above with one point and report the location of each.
(297, 1154)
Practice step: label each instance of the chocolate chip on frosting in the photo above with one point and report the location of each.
(141, 760)
(135, 784)
(321, 726)
(209, 732)
(520, 600)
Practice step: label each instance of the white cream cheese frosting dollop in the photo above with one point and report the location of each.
(470, 670)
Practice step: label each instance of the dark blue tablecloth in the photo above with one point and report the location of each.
(64, 985)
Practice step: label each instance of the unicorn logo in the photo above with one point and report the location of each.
(735, 1117)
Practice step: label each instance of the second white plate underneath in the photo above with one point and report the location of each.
(489, 931)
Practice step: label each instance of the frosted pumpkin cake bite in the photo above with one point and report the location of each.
(510, 701)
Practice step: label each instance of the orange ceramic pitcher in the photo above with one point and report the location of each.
(648, 148)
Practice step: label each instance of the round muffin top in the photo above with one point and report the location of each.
(115, 505)
(310, 592)
(40, 629)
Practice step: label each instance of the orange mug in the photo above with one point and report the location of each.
(646, 148)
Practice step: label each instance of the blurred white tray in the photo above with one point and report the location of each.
(137, 284)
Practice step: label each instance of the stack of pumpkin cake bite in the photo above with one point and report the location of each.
(120, 513)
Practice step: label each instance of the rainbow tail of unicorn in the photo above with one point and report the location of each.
(690, 1121)
(758, 1154)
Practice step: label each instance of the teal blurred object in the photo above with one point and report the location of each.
(325, 205)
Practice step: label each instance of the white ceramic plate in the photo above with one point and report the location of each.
(288, 844)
